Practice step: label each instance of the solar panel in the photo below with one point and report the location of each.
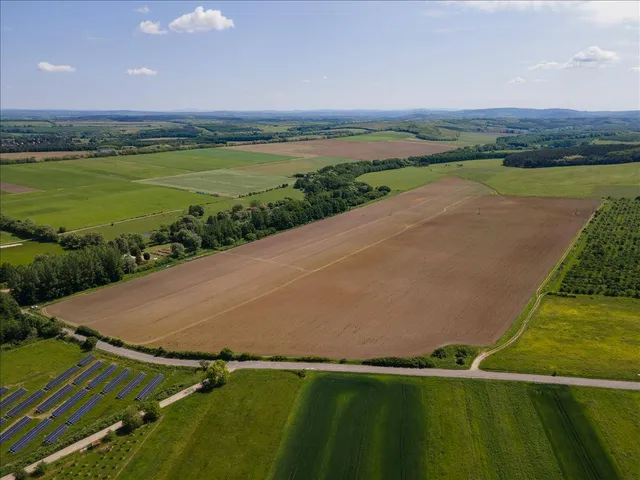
(53, 399)
(13, 429)
(3, 421)
(12, 398)
(84, 375)
(69, 403)
(144, 393)
(132, 384)
(102, 377)
(3, 390)
(116, 381)
(53, 436)
(33, 433)
(85, 360)
(31, 399)
(61, 378)
(84, 409)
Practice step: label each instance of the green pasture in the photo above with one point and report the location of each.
(595, 337)
(467, 139)
(270, 424)
(228, 183)
(291, 167)
(32, 365)
(6, 237)
(383, 136)
(401, 179)
(25, 253)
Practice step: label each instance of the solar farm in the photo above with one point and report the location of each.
(24, 414)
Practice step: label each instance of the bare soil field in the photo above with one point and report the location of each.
(445, 263)
(39, 155)
(355, 150)
(13, 188)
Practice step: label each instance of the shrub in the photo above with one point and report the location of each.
(177, 249)
(409, 362)
(21, 474)
(146, 256)
(226, 354)
(131, 419)
(151, 410)
(87, 332)
(40, 470)
(109, 437)
(439, 353)
(89, 344)
(460, 360)
(216, 374)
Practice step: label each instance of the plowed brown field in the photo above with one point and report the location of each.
(445, 263)
(355, 150)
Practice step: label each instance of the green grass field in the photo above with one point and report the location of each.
(579, 181)
(383, 136)
(595, 337)
(291, 167)
(32, 365)
(25, 253)
(467, 139)
(269, 424)
(228, 183)
(6, 237)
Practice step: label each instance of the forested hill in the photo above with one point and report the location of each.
(578, 155)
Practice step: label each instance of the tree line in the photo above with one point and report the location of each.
(587, 154)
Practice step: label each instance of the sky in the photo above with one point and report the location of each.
(94, 55)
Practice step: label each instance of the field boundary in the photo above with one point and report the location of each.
(538, 296)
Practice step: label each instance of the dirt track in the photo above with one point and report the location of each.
(345, 149)
(13, 188)
(446, 263)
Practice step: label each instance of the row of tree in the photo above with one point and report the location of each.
(28, 229)
(586, 154)
(16, 326)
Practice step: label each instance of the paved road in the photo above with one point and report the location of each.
(414, 372)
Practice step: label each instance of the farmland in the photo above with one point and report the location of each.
(327, 425)
(32, 365)
(361, 291)
(598, 337)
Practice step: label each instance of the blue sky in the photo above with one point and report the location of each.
(312, 55)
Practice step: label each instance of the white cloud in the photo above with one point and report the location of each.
(141, 71)
(306, 81)
(592, 57)
(518, 80)
(151, 28)
(143, 9)
(539, 80)
(601, 13)
(635, 69)
(448, 30)
(201, 21)
(325, 78)
(48, 67)
(546, 66)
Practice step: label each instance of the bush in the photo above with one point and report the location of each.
(399, 362)
(383, 188)
(89, 344)
(21, 474)
(40, 470)
(87, 332)
(439, 353)
(109, 437)
(216, 374)
(460, 360)
(226, 354)
(177, 249)
(146, 256)
(151, 410)
(131, 419)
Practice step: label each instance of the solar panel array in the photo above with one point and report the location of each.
(3, 390)
(103, 376)
(31, 399)
(132, 384)
(3, 421)
(69, 403)
(85, 360)
(12, 398)
(144, 393)
(53, 436)
(53, 399)
(20, 444)
(84, 409)
(61, 378)
(15, 428)
(84, 375)
(116, 381)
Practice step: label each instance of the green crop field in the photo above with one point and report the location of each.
(32, 365)
(401, 179)
(291, 167)
(6, 237)
(588, 337)
(228, 183)
(383, 136)
(25, 253)
(269, 424)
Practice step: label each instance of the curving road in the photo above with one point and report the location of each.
(348, 368)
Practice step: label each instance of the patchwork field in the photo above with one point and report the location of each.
(446, 263)
(358, 150)
(40, 155)
(268, 424)
(383, 136)
(599, 337)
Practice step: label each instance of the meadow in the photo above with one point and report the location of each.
(578, 181)
(32, 365)
(27, 251)
(382, 136)
(597, 337)
(269, 424)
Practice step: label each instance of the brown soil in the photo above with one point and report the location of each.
(445, 263)
(39, 155)
(355, 150)
(13, 188)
